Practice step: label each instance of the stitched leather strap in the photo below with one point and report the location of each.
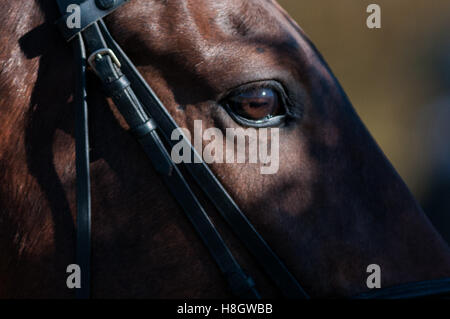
(83, 252)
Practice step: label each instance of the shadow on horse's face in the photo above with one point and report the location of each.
(334, 206)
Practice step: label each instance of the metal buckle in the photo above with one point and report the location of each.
(100, 53)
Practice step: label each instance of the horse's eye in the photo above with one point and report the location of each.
(256, 104)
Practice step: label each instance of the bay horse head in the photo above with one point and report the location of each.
(332, 206)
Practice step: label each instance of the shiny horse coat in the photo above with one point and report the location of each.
(335, 206)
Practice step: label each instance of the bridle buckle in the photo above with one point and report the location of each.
(100, 53)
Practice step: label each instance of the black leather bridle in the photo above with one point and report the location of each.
(152, 125)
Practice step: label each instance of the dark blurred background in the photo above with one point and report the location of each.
(398, 79)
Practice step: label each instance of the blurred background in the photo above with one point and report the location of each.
(398, 79)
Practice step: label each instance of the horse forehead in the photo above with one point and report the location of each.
(224, 42)
(201, 25)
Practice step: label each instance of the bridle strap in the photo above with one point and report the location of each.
(83, 186)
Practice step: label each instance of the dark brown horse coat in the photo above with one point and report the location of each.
(335, 206)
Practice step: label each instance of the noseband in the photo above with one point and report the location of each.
(152, 125)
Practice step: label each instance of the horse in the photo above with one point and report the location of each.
(335, 206)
